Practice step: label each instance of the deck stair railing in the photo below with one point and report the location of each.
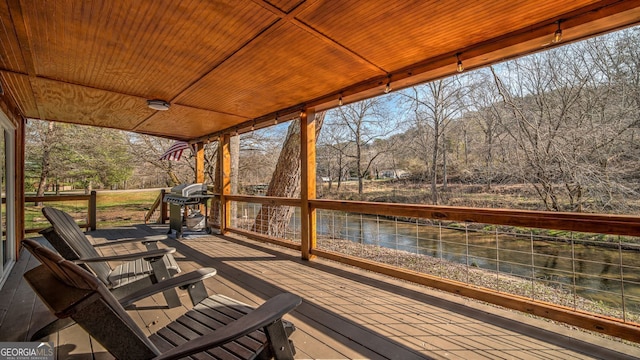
(158, 208)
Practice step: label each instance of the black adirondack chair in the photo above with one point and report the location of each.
(217, 326)
(135, 271)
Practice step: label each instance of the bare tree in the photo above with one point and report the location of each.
(333, 144)
(359, 125)
(567, 121)
(488, 120)
(150, 148)
(435, 105)
(46, 139)
(257, 160)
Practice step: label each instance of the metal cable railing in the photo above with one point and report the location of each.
(595, 276)
(542, 263)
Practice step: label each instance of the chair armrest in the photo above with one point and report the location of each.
(177, 281)
(266, 314)
(144, 240)
(147, 255)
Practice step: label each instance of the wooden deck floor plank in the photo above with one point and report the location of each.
(11, 285)
(352, 304)
(40, 317)
(355, 334)
(352, 333)
(74, 343)
(314, 343)
(309, 344)
(16, 322)
(99, 352)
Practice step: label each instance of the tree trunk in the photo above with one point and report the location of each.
(47, 146)
(174, 178)
(466, 148)
(434, 165)
(285, 182)
(444, 163)
(359, 167)
(340, 171)
(489, 158)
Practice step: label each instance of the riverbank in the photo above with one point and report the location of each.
(509, 196)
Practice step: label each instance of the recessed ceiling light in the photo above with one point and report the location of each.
(160, 105)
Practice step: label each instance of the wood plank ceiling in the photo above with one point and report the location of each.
(227, 64)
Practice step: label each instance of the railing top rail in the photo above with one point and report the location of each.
(596, 223)
(267, 200)
(580, 222)
(57, 198)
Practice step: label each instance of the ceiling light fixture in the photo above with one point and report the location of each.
(557, 36)
(253, 126)
(459, 65)
(159, 105)
(340, 100)
(387, 89)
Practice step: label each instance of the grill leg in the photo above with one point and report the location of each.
(175, 220)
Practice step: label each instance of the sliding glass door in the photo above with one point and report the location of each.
(7, 210)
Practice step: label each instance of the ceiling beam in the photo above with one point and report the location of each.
(25, 45)
(291, 17)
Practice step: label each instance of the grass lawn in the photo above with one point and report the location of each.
(114, 208)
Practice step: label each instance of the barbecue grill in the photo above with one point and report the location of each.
(182, 198)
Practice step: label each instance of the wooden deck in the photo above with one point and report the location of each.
(346, 313)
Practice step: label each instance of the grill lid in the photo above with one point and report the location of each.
(187, 194)
(189, 190)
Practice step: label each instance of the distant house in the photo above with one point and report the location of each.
(394, 174)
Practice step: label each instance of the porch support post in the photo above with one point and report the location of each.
(224, 156)
(308, 182)
(199, 148)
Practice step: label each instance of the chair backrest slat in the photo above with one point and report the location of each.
(104, 319)
(52, 261)
(67, 229)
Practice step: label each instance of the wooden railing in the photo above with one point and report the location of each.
(160, 205)
(586, 223)
(91, 207)
(575, 222)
